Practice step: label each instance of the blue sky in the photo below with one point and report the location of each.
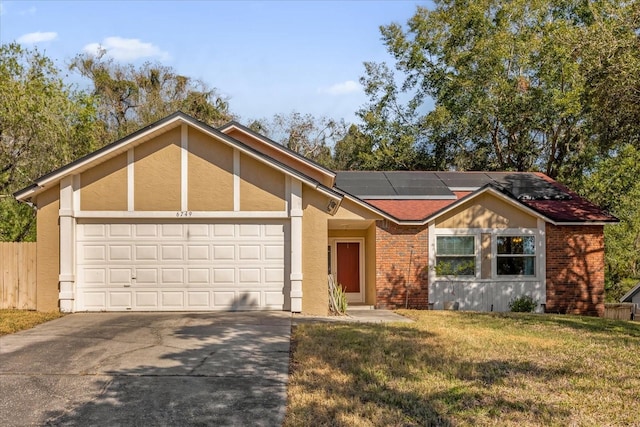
(268, 57)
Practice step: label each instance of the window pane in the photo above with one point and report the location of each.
(525, 245)
(516, 266)
(455, 245)
(455, 266)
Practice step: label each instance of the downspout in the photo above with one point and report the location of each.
(406, 300)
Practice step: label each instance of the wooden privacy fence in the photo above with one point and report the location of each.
(621, 311)
(18, 275)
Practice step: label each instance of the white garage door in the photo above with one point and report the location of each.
(177, 266)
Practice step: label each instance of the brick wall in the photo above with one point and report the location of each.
(396, 246)
(575, 269)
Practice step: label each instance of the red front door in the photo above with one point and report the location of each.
(348, 259)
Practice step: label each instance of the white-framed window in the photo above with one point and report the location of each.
(515, 255)
(455, 256)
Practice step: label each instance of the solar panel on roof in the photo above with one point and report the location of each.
(528, 186)
(424, 191)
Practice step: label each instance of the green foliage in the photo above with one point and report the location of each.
(309, 136)
(128, 98)
(519, 85)
(464, 268)
(614, 185)
(44, 124)
(523, 304)
(339, 295)
(616, 290)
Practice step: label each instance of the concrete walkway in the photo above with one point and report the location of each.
(357, 315)
(160, 369)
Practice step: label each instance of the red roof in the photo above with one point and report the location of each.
(410, 210)
(575, 209)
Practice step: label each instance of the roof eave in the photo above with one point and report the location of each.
(316, 166)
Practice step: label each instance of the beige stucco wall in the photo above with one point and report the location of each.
(157, 173)
(277, 154)
(486, 211)
(210, 177)
(48, 250)
(352, 210)
(315, 298)
(262, 188)
(104, 187)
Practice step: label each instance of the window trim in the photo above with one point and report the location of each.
(464, 232)
(540, 256)
(537, 258)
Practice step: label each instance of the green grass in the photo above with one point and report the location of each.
(467, 369)
(17, 320)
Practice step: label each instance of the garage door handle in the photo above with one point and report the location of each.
(127, 286)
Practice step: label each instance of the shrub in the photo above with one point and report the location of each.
(337, 297)
(523, 304)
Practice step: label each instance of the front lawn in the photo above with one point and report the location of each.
(16, 320)
(455, 368)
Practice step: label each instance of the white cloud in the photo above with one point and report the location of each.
(31, 11)
(37, 37)
(342, 88)
(122, 49)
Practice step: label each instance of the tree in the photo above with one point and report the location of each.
(614, 185)
(44, 124)
(352, 151)
(509, 81)
(312, 137)
(129, 98)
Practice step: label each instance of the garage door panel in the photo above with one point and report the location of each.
(223, 230)
(274, 299)
(199, 276)
(145, 230)
(274, 252)
(146, 300)
(172, 276)
(173, 299)
(120, 230)
(146, 253)
(249, 252)
(273, 275)
(143, 266)
(171, 230)
(95, 276)
(172, 253)
(146, 276)
(249, 276)
(119, 300)
(95, 300)
(224, 275)
(93, 230)
(199, 299)
(198, 253)
(223, 252)
(249, 230)
(120, 275)
(198, 231)
(94, 253)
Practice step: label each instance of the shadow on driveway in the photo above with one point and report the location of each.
(147, 369)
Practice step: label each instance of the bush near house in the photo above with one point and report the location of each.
(466, 369)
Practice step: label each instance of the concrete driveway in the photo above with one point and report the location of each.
(147, 369)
